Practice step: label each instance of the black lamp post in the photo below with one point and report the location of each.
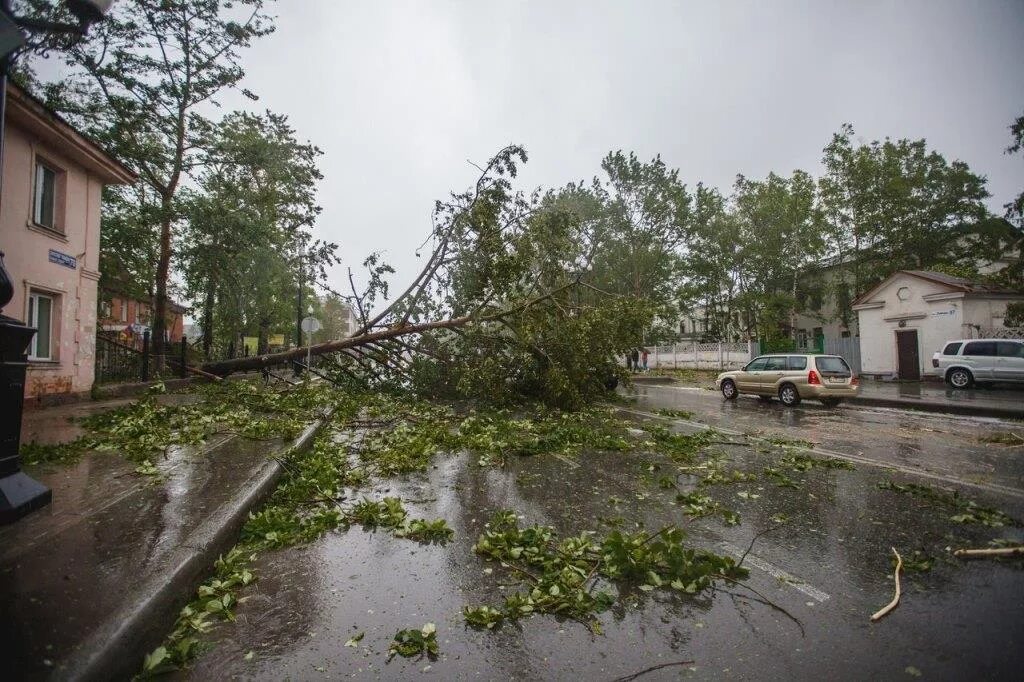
(19, 493)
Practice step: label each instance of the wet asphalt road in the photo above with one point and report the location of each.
(828, 566)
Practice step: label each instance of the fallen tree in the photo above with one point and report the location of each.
(506, 305)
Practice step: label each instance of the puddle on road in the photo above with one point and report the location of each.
(954, 620)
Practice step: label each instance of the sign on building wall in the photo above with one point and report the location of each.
(63, 259)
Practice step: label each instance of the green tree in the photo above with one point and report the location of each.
(1013, 275)
(895, 204)
(142, 84)
(247, 241)
(648, 218)
(781, 237)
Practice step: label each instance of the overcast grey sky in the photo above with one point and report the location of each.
(400, 94)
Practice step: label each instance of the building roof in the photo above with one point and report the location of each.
(956, 283)
(30, 113)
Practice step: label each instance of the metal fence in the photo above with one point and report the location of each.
(116, 362)
(848, 348)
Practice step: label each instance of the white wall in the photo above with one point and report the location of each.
(935, 322)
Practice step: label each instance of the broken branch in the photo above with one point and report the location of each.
(989, 552)
(881, 613)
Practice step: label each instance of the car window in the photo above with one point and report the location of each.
(1009, 349)
(797, 362)
(776, 364)
(756, 365)
(952, 348)
(831, 364)
(980, 348)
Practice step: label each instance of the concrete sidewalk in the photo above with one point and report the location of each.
(93, 582)
(988, 401)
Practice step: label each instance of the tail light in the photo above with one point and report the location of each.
(935, 362)
(813, 378)
(854, 380)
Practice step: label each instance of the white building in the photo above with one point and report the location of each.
(912, 313)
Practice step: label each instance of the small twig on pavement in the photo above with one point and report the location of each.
(880, 613)
(635, 675)
(755, 539)
(766, 600)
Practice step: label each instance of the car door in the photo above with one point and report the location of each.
(748, 380)
(1009, 361)
(772, 375)
(980, 357)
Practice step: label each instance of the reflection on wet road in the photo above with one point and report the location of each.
(827, 564)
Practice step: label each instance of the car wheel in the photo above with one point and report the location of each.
(729, 389)
(831, 402)
(960, 378)
(788, 395)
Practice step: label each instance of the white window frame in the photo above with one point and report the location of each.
(33, 321)
(123, 313)
(37, 196)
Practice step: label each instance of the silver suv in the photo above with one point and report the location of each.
(968, 361)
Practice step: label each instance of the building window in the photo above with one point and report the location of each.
(40, 316)
(105, 310)
(45, 200)
(124, 310)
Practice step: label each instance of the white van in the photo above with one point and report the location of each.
(968, 361)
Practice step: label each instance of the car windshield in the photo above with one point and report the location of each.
(831, 364)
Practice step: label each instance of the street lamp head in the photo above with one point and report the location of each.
(310, 309)
(88, 12)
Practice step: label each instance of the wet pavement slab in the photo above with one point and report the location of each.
(70, 571)
(824, 556)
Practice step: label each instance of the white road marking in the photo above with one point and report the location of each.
(910, 471)
(776, 572)
(572, 464)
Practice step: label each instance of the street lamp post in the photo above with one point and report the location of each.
(19, 493)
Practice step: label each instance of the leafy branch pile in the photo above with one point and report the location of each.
(412, 642)
(561, 577)
(143, 430)
(306, 504)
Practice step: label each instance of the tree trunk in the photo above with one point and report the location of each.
(208, 322)
(262, 343)
(162, 272)
(259, 361)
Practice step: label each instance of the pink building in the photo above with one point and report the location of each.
(50, 232)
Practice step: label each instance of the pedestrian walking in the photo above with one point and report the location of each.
(645, 359)
(635, 357)
(629, 361)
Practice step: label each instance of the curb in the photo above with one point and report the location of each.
(116, 648)
(652, 380)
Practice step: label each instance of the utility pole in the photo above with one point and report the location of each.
(297, 368)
